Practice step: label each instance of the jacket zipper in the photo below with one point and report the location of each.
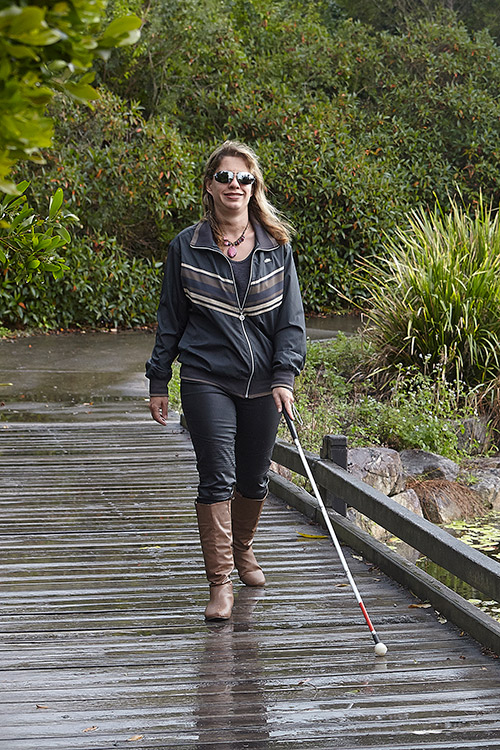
(242, 318)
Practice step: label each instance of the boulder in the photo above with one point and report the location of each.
(379, 467)
(418, 463)
(409, 499)
(372, 528)
(486, 485)
(474, 435)
(443, 501)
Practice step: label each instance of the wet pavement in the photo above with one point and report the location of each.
(74, 376)
(102, 590)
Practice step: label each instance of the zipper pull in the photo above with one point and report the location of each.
(242, 317)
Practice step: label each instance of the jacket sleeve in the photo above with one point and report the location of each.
(172, 318)
(290, 332)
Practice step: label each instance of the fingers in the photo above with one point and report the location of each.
(283, 398)
(158, 406)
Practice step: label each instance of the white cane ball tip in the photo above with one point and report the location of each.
(380, 649)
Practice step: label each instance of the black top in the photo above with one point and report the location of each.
(241, 270)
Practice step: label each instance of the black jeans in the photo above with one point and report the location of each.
(233, 439)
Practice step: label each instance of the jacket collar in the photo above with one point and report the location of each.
(203, 237)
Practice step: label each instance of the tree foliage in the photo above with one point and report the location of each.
(354, 127)
(44, 48)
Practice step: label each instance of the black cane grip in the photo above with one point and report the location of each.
(291, 426)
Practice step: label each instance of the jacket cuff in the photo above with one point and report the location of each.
(157, 387)
(283, 379)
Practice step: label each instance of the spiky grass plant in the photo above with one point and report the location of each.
(435, 298)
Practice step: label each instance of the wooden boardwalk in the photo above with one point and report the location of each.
(103, 643)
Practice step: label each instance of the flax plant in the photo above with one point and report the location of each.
(435, 298)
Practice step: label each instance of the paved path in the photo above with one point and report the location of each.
(103, 643)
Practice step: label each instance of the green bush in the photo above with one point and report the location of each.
(354, 127)
(334, 395)
(435, 300)
(31, 243)
(123, 176)
(103, 287)
(46, 47)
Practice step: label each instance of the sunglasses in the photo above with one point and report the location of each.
(226, 176)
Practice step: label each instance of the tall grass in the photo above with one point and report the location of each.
(435, 298)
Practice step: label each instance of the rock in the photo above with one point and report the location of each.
(418, 463)
(483, 463)
(443, 501)
(372, 528)
(409, 499)
(281, 470)
(486, 484)
(379, 467)
(473, 435)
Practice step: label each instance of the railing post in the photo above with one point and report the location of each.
(334, 448)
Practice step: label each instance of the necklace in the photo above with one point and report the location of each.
(231, 246)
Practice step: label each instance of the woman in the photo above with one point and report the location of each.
(230, 309)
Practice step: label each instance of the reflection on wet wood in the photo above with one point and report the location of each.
(103, 645)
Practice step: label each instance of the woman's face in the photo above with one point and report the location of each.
(231, 196)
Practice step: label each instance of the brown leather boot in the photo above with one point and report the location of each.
(246, 513)
(214, 524)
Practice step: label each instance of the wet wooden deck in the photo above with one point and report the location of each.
(103, 643)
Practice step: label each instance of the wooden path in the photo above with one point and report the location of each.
(103, 643)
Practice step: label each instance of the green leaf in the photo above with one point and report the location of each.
(121, 26)
(26, 21)
(82, 92)
(63, 232)
(56, 203)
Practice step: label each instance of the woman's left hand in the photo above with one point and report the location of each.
(283, 398)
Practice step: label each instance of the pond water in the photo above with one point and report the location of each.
(484, 535)
(328, 327)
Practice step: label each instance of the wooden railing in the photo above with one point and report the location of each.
(340, 489)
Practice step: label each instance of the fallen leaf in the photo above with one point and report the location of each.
(313, 536)
(427, 731)
(419, 606)
(357, 557)
(90, 729)
(135, 737)
(39, 705)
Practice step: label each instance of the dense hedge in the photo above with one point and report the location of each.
(354, 127)
(103, 287)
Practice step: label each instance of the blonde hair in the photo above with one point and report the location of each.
(259, 207)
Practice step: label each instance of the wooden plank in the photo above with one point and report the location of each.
(102, 591)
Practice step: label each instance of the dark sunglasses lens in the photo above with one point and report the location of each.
(245, 178)
(223, 176)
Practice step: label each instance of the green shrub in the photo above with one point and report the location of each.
(412, 412)
(124, 177)
(435, 300)
(354, 127)
(103, 287)
(31, 243)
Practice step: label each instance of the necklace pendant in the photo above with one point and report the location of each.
(231, 251)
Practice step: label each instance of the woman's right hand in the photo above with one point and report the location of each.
(158, 406)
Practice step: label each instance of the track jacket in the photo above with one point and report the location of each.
(245, 349)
